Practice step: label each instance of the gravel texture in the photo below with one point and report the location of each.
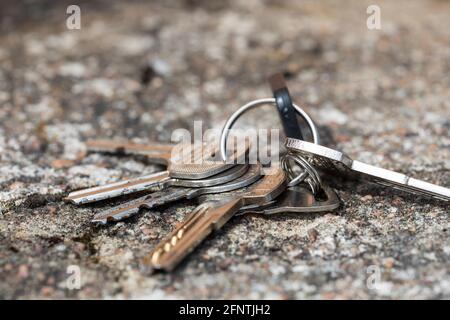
(140, 70)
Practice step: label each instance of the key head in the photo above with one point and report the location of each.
(184, 161)
(252, 175)
(201, 161)
(267, 188)
(298, 199)
(264, 190)
(321, 156)
(196, 155)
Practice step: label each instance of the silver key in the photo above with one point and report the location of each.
(177, 174)
(209, 217)
(297, 199)
(157, 181)
(160, 154)
(172, 194)
(339, 163)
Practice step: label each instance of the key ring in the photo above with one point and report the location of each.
(253, 104)
(309, 174)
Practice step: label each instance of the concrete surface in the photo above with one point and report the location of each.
(141, 70)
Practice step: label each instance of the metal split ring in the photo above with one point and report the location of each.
(253, 104)
(309, 174)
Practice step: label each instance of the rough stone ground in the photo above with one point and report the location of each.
(140, 70)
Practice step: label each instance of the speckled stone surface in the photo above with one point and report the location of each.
(140, 70)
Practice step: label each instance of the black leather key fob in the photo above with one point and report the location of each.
(283, 100)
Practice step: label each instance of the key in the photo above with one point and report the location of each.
(155, 153)
(160, 180)
(160, 154)
(340, 163)
(177, 174)
(172, 194)
(208, 217)
(297, 199)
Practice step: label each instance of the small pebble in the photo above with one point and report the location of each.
(22, 273)
(313, 234)
(367, 198)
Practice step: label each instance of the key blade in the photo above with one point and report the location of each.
(131, 208)
(120, 212)
(127, 147)
(156, 258)
(155, 153)
(188, 235)
(238, 175)
(113, 184)
(118, 188)
(338, 162)
(402, 182)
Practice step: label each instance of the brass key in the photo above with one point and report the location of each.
(208, 217)
(155, 153)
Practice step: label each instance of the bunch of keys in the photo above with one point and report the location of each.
(224, 188)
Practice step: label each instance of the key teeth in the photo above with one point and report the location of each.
(67, 199)
(71, 200)
(76, 200)
(71, 197)
(105, 216)
(102, 216)
(100, 219)
(147, 267)
(102, 222)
